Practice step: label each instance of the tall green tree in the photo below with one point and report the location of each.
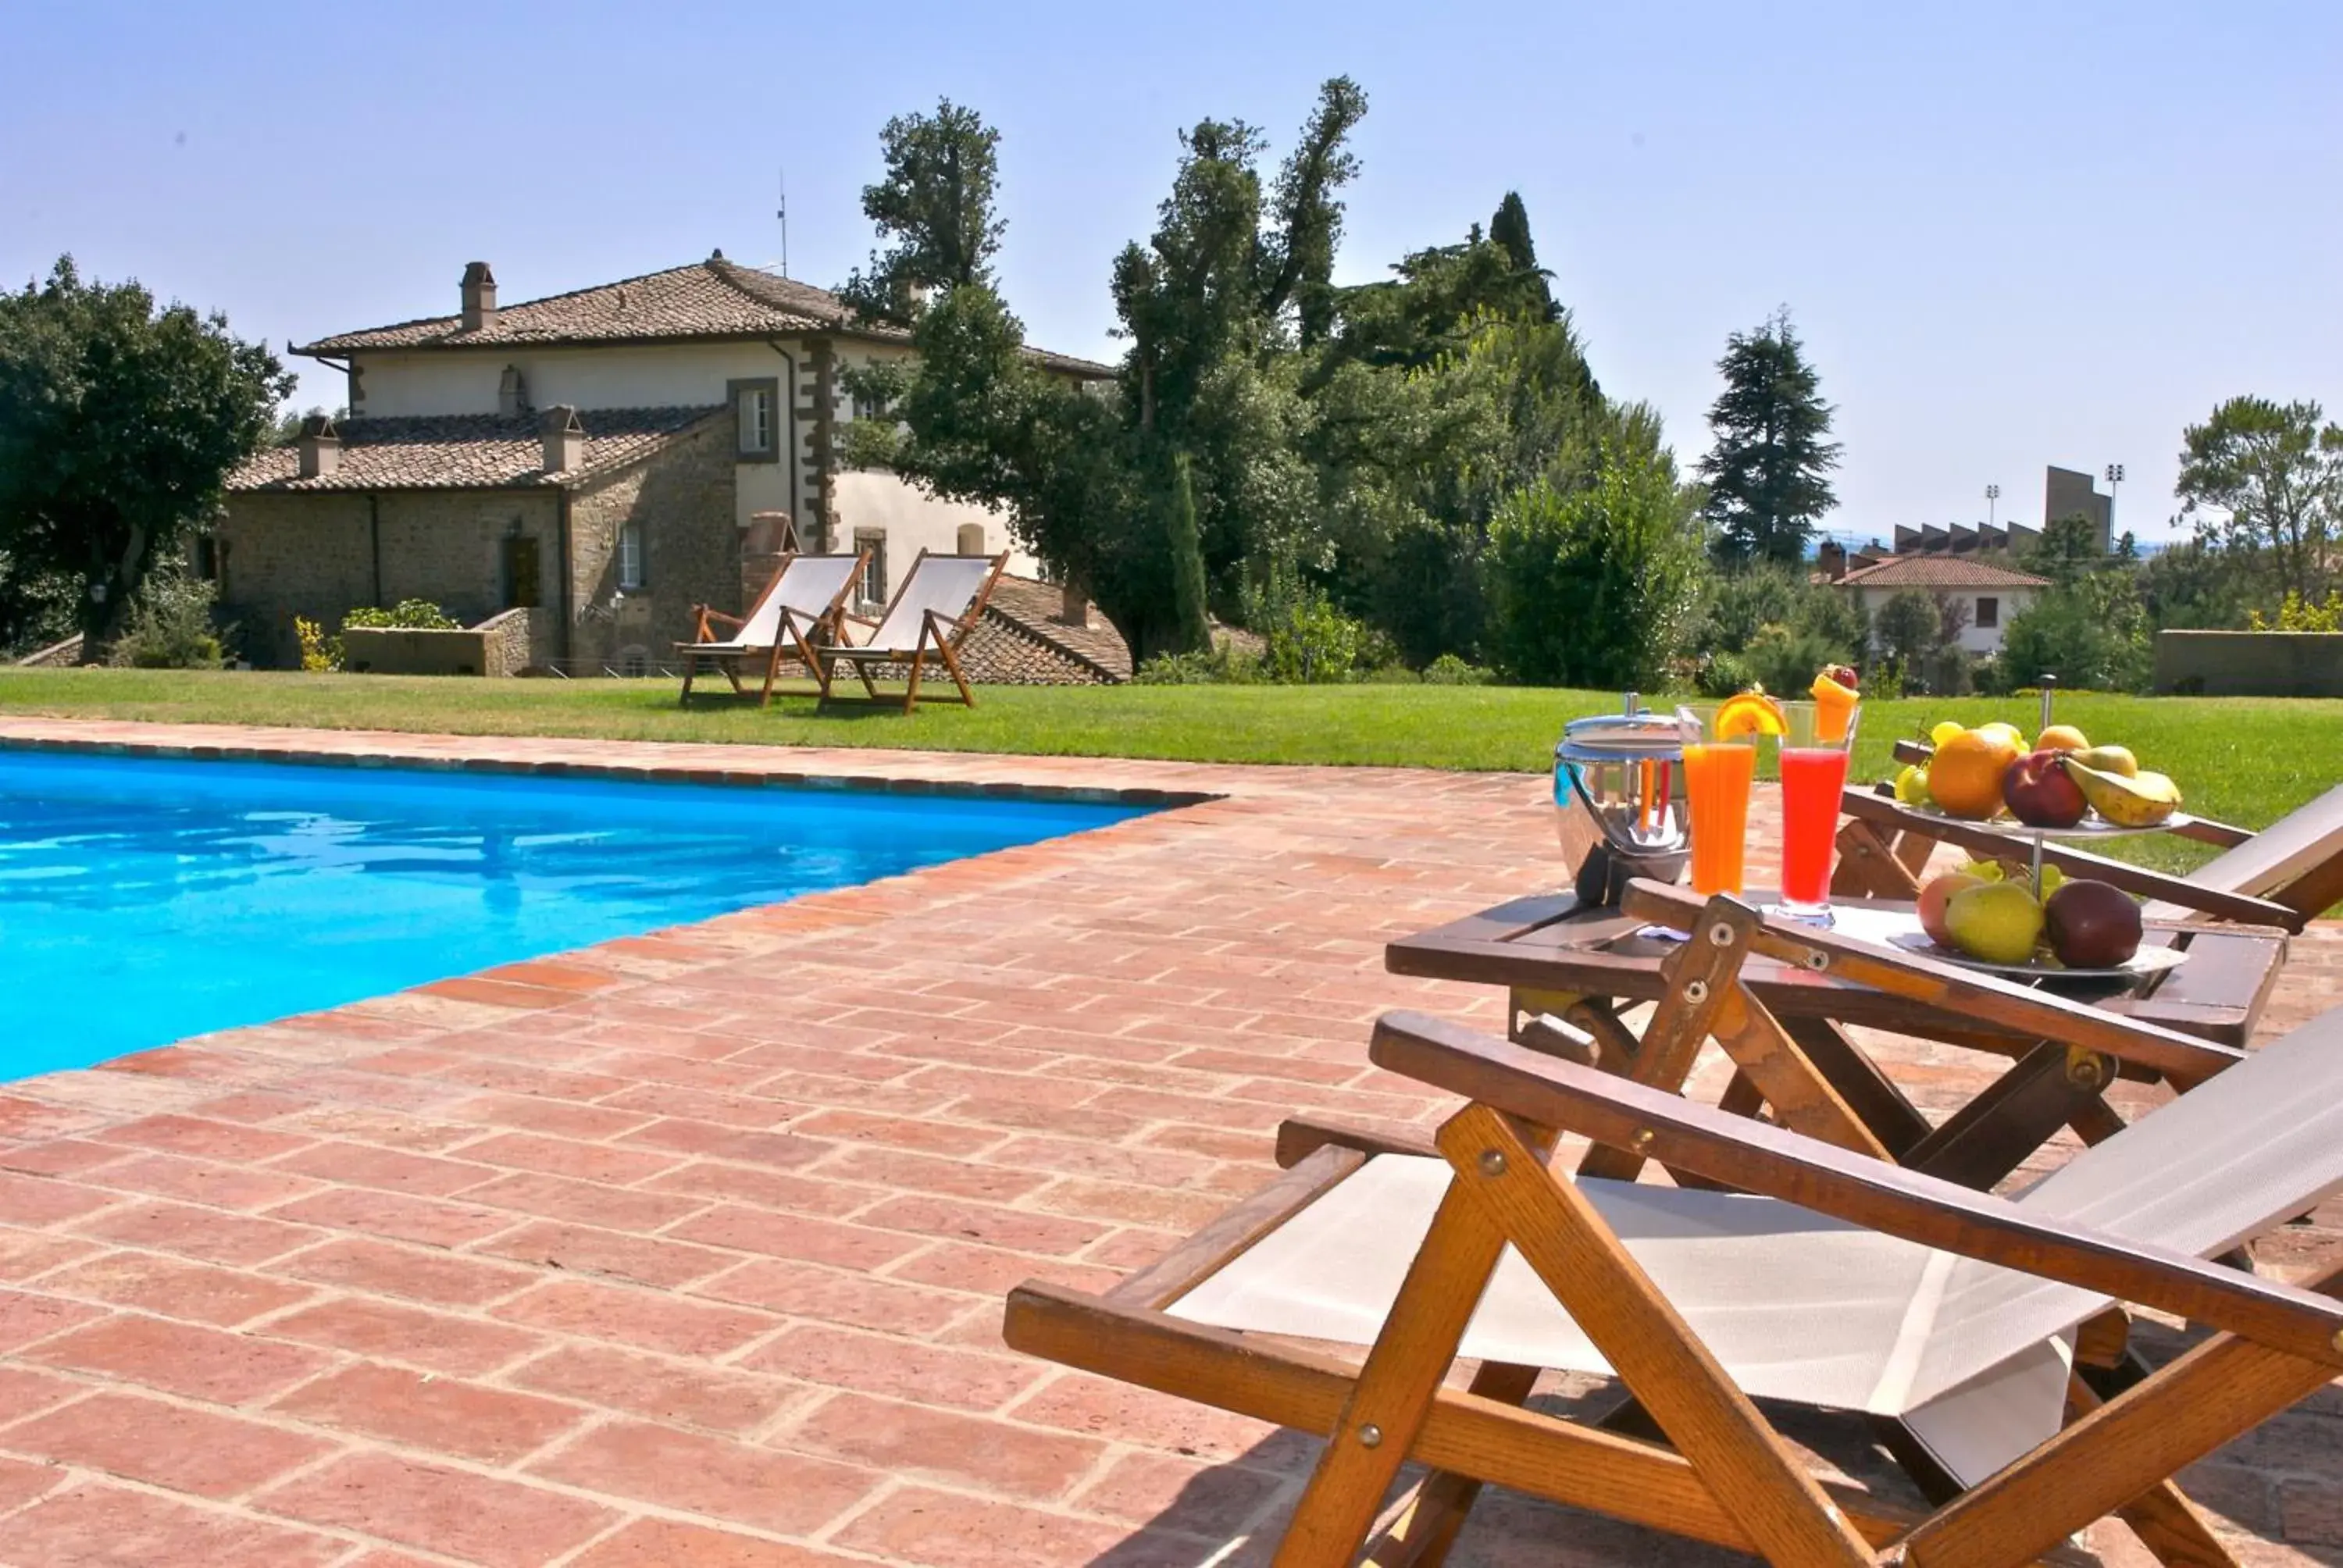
(936, 203)
(1594, 585)
(2067, 549)
(1768, 472)
(1298, 258)
(2266, 479)
(120, 421)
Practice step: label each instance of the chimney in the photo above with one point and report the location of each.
(1073, 604)
(479, 295)
(512, 393)
(565, 439)
(1831, 557)
(320, 446)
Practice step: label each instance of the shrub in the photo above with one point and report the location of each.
(408, 615)
(1737, 607)
(2092, 634)
(1225, 665)
(170, 627)
(320, 654)
(1450, 671)
(1593, 587)
(1722, 675)
(1787, 662)
(1311, 642)
(2300, 613)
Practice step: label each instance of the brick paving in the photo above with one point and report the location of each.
(689, 1248)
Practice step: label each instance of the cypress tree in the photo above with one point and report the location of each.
(1510, 228)
(1192, 632)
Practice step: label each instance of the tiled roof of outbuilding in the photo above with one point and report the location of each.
(468, 451)
(1031, 608)
(714, 298)
(1936, 571)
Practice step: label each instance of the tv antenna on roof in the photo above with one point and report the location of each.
(782, 213)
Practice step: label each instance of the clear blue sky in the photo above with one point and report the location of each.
(2011, 235)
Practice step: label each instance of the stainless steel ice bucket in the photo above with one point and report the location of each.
(1618, 797)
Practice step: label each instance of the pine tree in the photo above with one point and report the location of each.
(1510, 229)
(1767, 475)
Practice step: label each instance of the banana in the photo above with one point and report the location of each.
(2141, 802)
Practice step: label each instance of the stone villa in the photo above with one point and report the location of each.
(585, 469)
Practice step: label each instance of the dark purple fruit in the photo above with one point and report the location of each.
(2091, 925)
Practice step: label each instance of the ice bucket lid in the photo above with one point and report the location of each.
(1629, 737)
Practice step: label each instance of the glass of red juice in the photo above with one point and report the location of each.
(1814, 754)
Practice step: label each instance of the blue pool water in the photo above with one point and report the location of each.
(142, 901)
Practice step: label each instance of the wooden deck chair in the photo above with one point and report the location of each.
(939, 604)
(2286, 874)
(1822, 1277)
(802, 603)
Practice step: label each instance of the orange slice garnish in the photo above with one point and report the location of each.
(1834, 708)
(1750, 713)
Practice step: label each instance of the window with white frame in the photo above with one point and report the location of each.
(756, 409)
(873, 587)
(870, 406)
(631, 554)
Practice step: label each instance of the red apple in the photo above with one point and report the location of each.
(1935, 896)
(2091, 925)
(2040, 793)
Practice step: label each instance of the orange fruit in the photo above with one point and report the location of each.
(2061, 738)
(1750, 713)
(1965, 777)
(1834, 703)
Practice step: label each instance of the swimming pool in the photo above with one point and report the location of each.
(145, 900)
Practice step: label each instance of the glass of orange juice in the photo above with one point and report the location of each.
(1718, 771)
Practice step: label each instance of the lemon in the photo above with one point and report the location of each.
(1946, 731)
(2010, 732)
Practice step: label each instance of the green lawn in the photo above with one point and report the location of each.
(2245, 760)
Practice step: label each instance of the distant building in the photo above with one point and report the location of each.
(1994, 594)
(2067, 493)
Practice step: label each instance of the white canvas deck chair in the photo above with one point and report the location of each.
(1802, 1271)
(939, 604)
(801, 604)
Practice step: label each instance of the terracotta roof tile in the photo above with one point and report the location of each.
(714, 298)
(1931, 571)
(1031, 608)
(468, 451)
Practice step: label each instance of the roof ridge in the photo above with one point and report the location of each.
(577, 292)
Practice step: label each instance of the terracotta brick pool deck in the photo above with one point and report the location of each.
(689, 1249)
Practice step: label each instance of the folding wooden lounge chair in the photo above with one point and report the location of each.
(2063, 1053)
(1817, 1276)
(2286, 874)
(803, 602)
(939, 604)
